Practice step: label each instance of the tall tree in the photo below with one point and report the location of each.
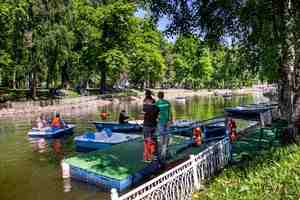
(147, 63)
(5, 22)
(254, 23)
(114, 19)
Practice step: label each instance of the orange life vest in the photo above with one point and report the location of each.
(56, 122)
(197, 136)
(232, 130)
(104, 115)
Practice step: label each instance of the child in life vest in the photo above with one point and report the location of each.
(56, 121)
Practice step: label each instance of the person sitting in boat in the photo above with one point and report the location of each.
(123, 117)
(40, 122)
(56, 121)
(104, 115)
(63, 122)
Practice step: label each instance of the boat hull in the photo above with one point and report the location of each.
(116, 127)
(96, 141)
(51, 132)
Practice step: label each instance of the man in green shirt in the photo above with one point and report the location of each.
(165, 118)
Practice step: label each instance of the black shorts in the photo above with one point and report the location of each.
(149, 132)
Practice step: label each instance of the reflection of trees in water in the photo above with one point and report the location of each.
(194, 108)
(134, 110)
(39, 144)
(52, 146)
(67, 185)
(56, 146)
(201, 108)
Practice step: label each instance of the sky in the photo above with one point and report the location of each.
(162, 23)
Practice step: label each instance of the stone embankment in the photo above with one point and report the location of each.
(66, 106)
(87, 104)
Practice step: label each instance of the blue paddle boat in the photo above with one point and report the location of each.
(183, 123)
(117, 127)
(49, 132)
(101, 140)
(211, 129)
(247, 112)
(214, 131)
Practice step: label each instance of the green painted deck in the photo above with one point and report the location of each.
(120, 161)
(251, 143)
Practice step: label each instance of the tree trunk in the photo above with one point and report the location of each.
(289, 95)
(296, 106)
(103, 80)
(33, 86)
(65, 76)
(14, 79)
(48, 79)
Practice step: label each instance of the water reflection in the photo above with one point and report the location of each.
(67, 185)
(39, 145)
(42, 145)
(56, 146)
(40, 158)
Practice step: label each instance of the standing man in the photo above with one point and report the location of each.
(165, 119)
(150, 123)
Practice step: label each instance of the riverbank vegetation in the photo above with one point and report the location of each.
(101, 44)
(272, 176)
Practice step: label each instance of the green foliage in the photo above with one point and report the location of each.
(182, 70)
(264, 30)
(198, 66)
(147, 62)
(205, 68)
(116, 63)
(57, 43)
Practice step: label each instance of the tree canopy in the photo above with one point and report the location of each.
(266, 33)
(53, 44)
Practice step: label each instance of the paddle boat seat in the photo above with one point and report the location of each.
(101, 140)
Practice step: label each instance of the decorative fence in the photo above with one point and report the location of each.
(180, 182)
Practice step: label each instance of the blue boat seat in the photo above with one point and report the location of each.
(90, 135)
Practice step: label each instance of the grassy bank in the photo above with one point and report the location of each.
(272, 173)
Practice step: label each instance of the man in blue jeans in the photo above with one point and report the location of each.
(165, 119)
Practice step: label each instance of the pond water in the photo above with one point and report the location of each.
(30, 169)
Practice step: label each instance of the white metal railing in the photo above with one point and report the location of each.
(180, 182)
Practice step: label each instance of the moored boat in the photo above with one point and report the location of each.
(49, 132)
(101, 140)
(180, 99)
(120, 166)
(117, 127)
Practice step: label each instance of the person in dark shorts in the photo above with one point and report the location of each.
(151, 112)
(123, 117)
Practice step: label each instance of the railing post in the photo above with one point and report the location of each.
(194, 165)
(228, 151)
(114, 194)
